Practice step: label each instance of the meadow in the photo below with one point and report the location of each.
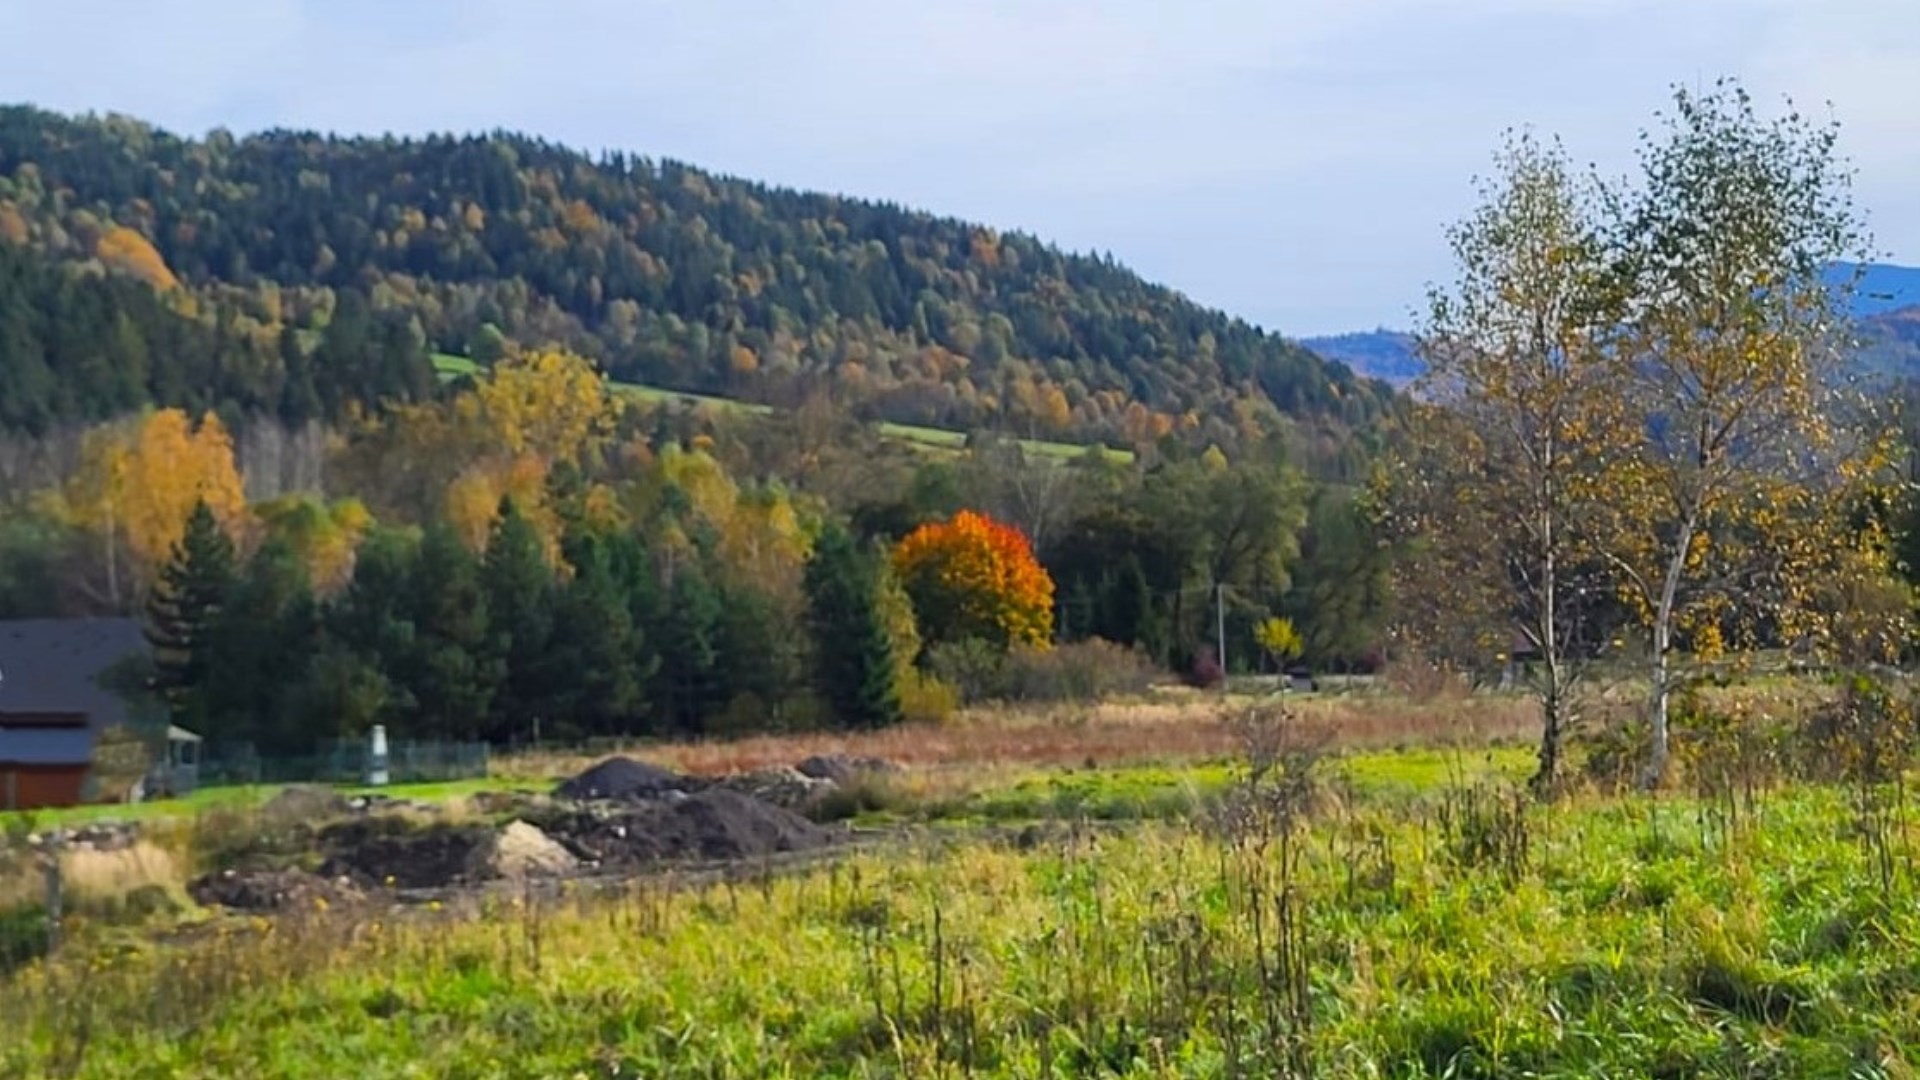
(930, 439)
(1291, 908)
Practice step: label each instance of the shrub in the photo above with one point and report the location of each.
(1205, 672)
(925, 699)
(974, 668)
(1081, 671)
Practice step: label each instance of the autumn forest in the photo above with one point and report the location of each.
(482, 438)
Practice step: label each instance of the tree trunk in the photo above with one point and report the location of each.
(1553, 705)
(1657, 748)
(1662, 671)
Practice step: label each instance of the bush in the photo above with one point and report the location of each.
(975, 669)
(925, 699)
(1205, 672)
(1080, 671)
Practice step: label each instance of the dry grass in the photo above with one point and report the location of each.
(1171, 726)
(94, 879)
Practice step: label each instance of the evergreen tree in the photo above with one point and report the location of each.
(454, 674)
(519, 587)
(853, 656)
(361, 673)
(689, 634)
(183, 609)
(599, 648)
(761, 661)
(260, 643)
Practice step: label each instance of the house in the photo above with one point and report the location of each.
(55, 700)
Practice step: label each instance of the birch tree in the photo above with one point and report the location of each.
(1724, 512)
(1499, 472)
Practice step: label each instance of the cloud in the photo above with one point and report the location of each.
(1293, 162)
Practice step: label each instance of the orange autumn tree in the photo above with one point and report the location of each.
(974, 577)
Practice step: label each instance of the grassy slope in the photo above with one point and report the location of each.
(451, 366)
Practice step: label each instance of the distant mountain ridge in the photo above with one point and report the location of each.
(1885, 305)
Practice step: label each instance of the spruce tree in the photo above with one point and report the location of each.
(260, 644)
(182, 610)
(597, 647)
(689, 637)
(520, 590)
(454, 674)
(853, 656)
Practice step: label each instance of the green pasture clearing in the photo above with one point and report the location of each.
(450, 366)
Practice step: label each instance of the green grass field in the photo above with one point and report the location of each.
(242, 797)
(451, 366)
(1421, 921)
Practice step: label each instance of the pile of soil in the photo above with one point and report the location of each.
(522, 851)
(396, 852)
(272, 890)
(305, 803)
(787, 788)
(842, 768)
(714, 824)
(623, 778)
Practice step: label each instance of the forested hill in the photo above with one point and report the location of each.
(663, 273)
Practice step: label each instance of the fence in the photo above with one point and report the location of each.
(344, 762)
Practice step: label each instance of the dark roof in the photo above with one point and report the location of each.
(44, 746)
(52, 666)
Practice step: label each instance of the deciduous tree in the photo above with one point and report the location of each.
(1498, 478)
(1727, 370)
(973, 577)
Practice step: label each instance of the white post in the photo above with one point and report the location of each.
(377, 757)
(1220, 630)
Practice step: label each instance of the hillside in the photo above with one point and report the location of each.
(1381, 354)
(667, 275)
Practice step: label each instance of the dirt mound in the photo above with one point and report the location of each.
(305, 803)
(495, 803)
(710, 825)
(787, 788)
(521, 851)
(272, 890)
(622, 778)
(399, 853)
(841, 768)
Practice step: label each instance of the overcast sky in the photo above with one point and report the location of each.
(1292, 161)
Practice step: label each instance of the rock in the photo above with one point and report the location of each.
(520, 851)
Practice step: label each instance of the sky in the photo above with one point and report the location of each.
(1291, 161)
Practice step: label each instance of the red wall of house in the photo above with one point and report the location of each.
(35, 787)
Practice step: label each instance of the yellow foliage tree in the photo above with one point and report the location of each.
(553, 404)
(138, 483)
(473, 499)
(324, 535)
(126, 250)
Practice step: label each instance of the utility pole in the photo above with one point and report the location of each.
(1220, 630)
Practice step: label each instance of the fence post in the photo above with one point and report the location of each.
(56, 893)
